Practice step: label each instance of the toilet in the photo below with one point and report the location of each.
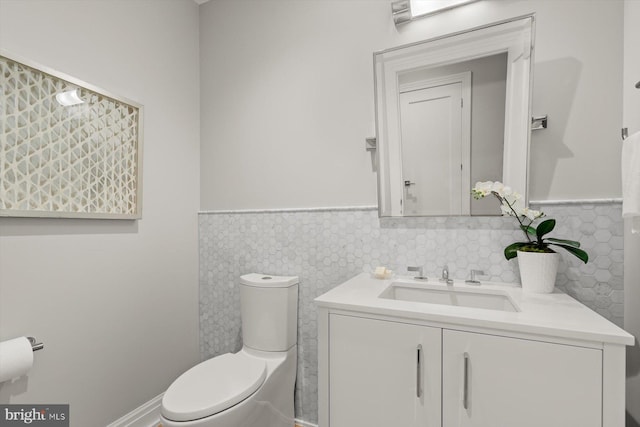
(253, 387)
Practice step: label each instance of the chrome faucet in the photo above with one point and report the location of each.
(445, 276)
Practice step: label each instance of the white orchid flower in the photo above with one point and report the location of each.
(512, 204)
(506, 210)
(512, 199)
(532, 214)
(498, 188)
(482, 189)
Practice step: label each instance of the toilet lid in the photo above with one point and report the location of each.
(213, 386)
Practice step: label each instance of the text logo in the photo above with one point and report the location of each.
(34, 415)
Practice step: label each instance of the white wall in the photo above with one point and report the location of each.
(631, 120)
(287, 97)
(115, 302)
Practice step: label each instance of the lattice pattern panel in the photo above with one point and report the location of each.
(79, 160)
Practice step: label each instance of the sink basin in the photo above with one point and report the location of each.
(449, 295)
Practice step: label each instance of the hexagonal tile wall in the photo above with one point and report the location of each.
(325, 247)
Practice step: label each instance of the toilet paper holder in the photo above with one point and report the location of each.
(35, 346)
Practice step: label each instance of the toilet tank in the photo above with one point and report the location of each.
(269, 308)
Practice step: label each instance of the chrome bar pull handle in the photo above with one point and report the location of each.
(419, 371)
(465, 391)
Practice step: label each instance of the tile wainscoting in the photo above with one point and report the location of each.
(325, 247)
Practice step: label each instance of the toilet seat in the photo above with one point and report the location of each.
(213, 386)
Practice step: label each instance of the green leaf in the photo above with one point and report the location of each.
(511, 251)
(565, 242)
(528, 229)
(579, 253)
(545, 227)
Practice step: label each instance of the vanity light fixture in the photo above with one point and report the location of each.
(407, 10)
(69, 98)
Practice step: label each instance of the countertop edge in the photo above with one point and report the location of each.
(350, 291)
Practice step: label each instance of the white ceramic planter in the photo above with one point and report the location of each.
(538, 271)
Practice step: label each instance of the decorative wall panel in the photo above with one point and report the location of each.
(67, 149)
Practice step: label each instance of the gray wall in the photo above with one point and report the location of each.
(115, 302)
(287, 97)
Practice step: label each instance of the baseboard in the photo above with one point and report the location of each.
(146, 415)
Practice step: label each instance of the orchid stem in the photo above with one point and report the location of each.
(515, 214)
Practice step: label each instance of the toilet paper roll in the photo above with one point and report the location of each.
(16, 358)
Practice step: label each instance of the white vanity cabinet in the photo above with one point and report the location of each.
(383, 373)
(490, 380)
(383, 363)
(391, 373)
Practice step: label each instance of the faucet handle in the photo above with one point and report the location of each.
(472, 280)
(419, 270)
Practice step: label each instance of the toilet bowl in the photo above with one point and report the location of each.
(253, 387)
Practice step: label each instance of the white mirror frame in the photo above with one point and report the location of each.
(514, 36)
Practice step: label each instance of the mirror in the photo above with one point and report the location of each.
(452, 111)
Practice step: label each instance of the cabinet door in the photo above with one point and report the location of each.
(501, 382)
(383, 373)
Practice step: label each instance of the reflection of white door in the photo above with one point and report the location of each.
(433, 144)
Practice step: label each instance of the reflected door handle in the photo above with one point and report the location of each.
(408, 183)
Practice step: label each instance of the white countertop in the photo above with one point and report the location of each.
(556, 314)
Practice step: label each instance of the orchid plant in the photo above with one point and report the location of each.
(511, 205)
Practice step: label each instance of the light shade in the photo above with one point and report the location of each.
(429, 7)
(69, 98)
(406, 10)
